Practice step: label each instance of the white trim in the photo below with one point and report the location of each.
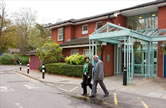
(76, 46)
(85, 32)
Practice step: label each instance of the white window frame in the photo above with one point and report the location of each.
(98, 23)
(85, 32)
(84, 52)
(74, 50)
(59, 33)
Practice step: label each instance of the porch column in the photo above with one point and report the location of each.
(93, 45)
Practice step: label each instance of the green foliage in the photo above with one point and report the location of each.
(24, 59)
(38, 36)
(75, 59)
(13, 59)
(7, 59)
(50, 52)
(64, 69)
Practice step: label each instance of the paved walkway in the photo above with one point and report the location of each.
(155, 87)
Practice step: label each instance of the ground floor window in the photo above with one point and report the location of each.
(86, 52)
(75, 51)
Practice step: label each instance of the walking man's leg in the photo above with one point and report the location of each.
(94, 87)
(102, 85)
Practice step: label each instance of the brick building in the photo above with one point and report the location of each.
(73, 35)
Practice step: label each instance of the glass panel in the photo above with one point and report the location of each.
(140, 22)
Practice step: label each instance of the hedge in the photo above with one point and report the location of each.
(13, 59)
(64, 69)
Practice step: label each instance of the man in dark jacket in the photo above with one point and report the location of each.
(98, 77)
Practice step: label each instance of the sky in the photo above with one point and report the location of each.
(52, 11)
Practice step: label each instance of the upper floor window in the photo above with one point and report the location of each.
(85, 29)
(99, 25)
(143, 22)
(60, 34)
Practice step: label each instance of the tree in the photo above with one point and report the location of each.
(25, 21)
(7, 35)
(2, 16)
(50, 52)
(38, 36)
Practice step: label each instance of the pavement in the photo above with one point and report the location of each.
(154, 87)
(143, 93)
(20, 91)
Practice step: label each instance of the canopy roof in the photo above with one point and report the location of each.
(114, 34)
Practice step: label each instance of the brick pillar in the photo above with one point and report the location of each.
(161, 25)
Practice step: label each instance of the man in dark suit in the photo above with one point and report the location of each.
(98, 77)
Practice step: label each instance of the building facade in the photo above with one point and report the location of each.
(147, 19)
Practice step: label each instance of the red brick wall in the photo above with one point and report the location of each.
(162, 17)
(76, 31)
(161, 25)
(34, 62)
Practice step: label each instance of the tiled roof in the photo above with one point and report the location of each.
(78, 41)
(33, 52)
(108, 13)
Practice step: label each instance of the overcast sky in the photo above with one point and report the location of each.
(51, 11)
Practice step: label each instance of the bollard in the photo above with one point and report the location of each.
(125, 76)
(20, 66)
(43, 71)
(27, 68)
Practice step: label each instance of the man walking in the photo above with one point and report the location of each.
(98, 76)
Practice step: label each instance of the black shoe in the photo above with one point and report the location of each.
(84, 94)
(106, 95)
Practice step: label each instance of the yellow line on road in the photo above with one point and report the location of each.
(73, 89)
(115, 99)
(145, 105)
(27, 77)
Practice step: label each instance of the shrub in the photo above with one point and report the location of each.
(64, 69)
(24, 59)
(13, 59)
(50, 52)
(7, 59)
(75, 59)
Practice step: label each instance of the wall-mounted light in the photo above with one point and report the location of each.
(140, 17)
(153, 15)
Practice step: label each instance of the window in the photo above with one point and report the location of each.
(85, 29)
(86, 52)
(60, 34)
(72, 52)
(99, 25)
(143, 22)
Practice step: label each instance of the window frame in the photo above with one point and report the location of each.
(84, 32)
(58, 35)
(98, 23)
(74, 50)
(84, 51)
